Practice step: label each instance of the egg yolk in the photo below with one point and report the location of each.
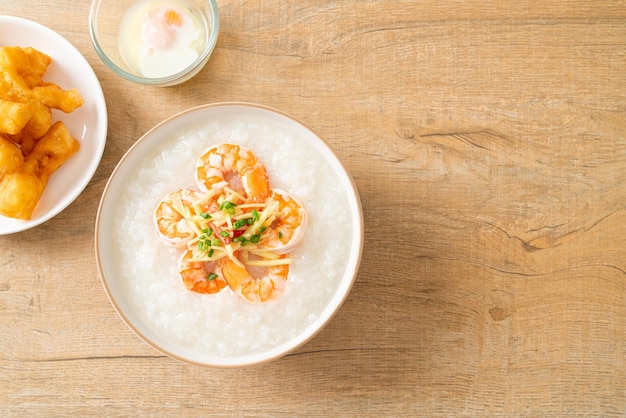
(159, 28)
(158, 38)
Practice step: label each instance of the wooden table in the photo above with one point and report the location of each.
(488, 143)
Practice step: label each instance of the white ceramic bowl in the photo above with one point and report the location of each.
(88, 123)
(139, 273)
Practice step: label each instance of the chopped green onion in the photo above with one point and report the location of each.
(280, 234)
(255, 238)
(211, 276)
(225, 234)
(255, 215)
(228, 207)
(241, 239)
(210, 253)
(239, 223)
(205, 215)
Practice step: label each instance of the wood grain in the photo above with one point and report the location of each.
(488, 143)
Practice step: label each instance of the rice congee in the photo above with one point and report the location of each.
(221, 323)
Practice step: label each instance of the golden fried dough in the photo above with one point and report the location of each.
(11, 158)
(32, 146)
(55, 97)
(15, 116)
(50, 152)
(19, 194)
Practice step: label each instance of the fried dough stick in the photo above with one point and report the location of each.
(21, 190)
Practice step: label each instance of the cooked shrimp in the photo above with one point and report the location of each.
(173, 215)
(201, 276)
(256, 283)
(236, 167)
(287, 229)
(237, 231)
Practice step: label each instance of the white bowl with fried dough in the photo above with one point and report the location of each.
(87, 124)
(140, 274)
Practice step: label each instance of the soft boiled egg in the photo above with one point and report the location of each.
(159, 38)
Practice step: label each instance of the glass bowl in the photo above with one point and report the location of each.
(154, 42)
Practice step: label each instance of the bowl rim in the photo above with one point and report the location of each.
(333, 305)
(172, 79)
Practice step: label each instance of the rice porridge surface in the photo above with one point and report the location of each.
(222, 323)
